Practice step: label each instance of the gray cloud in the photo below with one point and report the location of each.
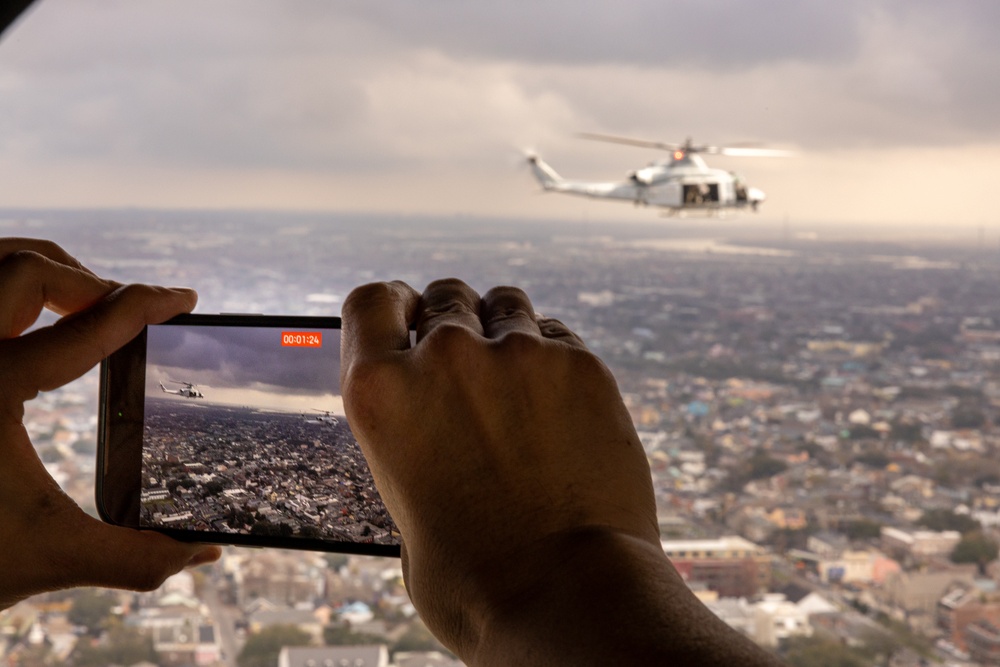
(726, 34)
(243, 357)
(381, 97)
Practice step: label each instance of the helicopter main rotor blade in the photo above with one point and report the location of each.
(641, 143)
(736, 151)
(746, 150)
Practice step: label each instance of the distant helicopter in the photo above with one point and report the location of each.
(682, 183)
(325, 418)
(187, 390)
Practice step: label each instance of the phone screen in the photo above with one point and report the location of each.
(243, 436)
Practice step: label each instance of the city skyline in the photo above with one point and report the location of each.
(821, 415)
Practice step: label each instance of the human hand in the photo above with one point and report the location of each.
(49, 543)
(498, 443)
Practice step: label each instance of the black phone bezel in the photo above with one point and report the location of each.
(118, 394)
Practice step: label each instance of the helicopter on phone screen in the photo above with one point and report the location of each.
(679, 184)
(187, 389)
(326, 418)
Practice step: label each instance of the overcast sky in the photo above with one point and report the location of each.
(892, 106)
(245, 366)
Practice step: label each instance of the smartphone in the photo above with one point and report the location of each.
(230, 429)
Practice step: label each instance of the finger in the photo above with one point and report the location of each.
(30, 281)
(50, 357)
(43, 247)
(506, 309)
(556, 330)
(448, 302)
(116, 557)
(376, 319)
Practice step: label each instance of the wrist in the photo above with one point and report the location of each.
(605, 597)
(572, 598)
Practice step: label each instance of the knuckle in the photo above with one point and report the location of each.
(508, 313)
(135, 293)
(82, 330)
(364, 297)
(449, 339)
(52, 250)
(450, 290)
(372, 292)
(504, 294)
(520, 343)
(22, 262)
(448, 284)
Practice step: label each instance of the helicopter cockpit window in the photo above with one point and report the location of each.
(701, 193)
(739, 187)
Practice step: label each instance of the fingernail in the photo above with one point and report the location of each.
(209, 555)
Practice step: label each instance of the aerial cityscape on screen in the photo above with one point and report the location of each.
(249, 442)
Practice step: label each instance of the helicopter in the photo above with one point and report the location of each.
(680, 184)
(325, 418)
(187, 390)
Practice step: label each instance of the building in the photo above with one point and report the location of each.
(983, 639)
(857, 566)
(962, 606)
(919, 544)
(181, 635)
(917, 593)
(731, 566)
(425, 659)
(776, 619)
(334, 656)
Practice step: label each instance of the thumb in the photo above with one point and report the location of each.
(116, 557)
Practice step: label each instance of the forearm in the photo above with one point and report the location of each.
(606, 598)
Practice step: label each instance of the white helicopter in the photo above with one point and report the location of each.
(187, 390)
(682, 183)
(325, 418)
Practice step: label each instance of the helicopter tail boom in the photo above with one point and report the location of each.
(544, 174)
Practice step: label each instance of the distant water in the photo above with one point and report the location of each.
(709, 246)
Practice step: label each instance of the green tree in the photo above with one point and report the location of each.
(944, 519)
(265, 527)
(821, 652)
(863, 432)
(343, 635)
(311, 531)
(335, 561)
(876, 460)
(967, 414)
(975, 548)
(907, 431)
(214, 488)
(91, 608)
(863, 529)
(763, 466)
(262, 648)
(122, 646)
